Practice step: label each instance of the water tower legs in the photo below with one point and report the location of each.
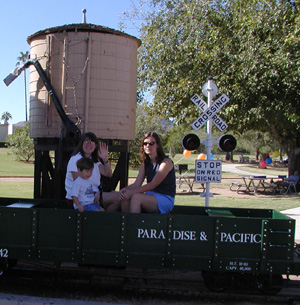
(51, 159)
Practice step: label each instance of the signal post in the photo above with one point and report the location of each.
(208, 171)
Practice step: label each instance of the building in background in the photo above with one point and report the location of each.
(6, 129)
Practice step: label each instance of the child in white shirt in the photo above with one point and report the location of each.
(83, 191)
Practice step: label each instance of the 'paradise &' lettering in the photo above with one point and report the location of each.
(225, 237)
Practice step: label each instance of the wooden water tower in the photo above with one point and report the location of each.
(93, 72)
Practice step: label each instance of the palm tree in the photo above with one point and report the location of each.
(21, 60)
(5, 117)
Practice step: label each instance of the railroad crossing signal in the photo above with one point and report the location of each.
(227, 142)
(190, 142)
(209, 170)
(209, 112)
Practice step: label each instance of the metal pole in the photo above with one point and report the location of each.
(84, 15)
(209, 138)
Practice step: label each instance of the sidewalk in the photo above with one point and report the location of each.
(9, 299)
(233, 168)
(295, 214)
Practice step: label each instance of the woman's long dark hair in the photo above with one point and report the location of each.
(160, 151)
(79, 148)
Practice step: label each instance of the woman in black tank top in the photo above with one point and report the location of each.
(157, 194)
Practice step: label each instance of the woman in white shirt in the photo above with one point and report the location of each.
(89, 147)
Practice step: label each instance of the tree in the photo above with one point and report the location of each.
(145, 122)
(21, 144)
(6, 116)
(257, 143)
(174, 138)
(22, 59)
(252, 50)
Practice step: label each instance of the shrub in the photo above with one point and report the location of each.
(21, 144)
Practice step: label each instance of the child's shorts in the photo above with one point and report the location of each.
(165, 203)
(92, 207)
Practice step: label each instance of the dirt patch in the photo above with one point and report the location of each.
(224, 190)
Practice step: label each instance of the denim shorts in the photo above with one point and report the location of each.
(165, 203)
(92, 207)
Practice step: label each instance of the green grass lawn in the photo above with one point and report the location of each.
(16, 189)
(24, 189)
(10, 167)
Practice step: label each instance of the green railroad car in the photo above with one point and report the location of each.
(221, 243)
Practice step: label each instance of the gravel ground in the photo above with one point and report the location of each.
(130, 291)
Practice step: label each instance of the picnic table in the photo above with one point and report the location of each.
(252, 184)
(189, 180)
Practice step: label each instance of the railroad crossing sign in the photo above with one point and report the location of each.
(209, 171)
(209, 112)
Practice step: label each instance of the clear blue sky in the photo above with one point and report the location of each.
(21, 19)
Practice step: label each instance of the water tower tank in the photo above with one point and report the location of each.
(93, 71)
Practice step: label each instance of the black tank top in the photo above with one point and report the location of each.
(168, 185)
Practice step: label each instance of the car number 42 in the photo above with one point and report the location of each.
(3, 253)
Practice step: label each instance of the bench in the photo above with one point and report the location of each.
(189, 183)
(185, 177)
(272, 186)
(188, 180)
(235, 185)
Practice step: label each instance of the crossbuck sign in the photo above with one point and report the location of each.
(207, 171)
(209, 113)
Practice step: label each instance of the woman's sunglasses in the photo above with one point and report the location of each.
(149, 143)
